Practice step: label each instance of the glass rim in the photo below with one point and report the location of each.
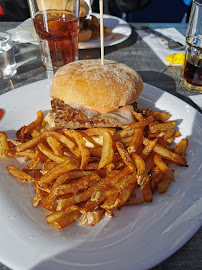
(6, 38)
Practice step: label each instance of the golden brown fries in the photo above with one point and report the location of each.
(90, 173)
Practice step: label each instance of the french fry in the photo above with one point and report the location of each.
(34, 161)
(142, 123)
(85, 154)
(67, 165)
(94, 171)
(165, 153)
(181, 147)
(138, 116)
(96, 152)
(155, 179)
(125, 156)
(54, 145)
(91, 218)
(122, 134)
(134, 201)
(80, 184)
(161, 116)
(162, 126)
(34, 124)
(67, 220)
(119, 200)
(97, 131)
(49, 203)
(30, 144)
(158, 115)
(146, 190)
(50, 154)
(139, 164)
(3, 144)
(38, 198)
(148, 149)
(107, 150)
(160, 164)
(136, 140)
(17, 173)
(165, 182)
(110, 180)
(48, 165)
(63, 139)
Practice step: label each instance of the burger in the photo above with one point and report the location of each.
(86, 94)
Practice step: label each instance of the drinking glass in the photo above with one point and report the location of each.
(7, 57)
(57, 26)
(191, 77)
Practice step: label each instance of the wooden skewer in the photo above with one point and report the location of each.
(101, 32)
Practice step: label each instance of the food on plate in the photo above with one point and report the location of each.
(86, 94)
(89, 28)
(83, 173)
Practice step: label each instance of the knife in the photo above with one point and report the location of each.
(172, 44)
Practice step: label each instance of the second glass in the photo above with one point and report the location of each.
(191, 77)
(57, 27)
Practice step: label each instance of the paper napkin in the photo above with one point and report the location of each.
(24, 33)
(160, 45)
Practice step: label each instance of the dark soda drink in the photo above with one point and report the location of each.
(58, 37)
(193, 64)
(192, 69)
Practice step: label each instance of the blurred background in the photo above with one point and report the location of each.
(129, 10)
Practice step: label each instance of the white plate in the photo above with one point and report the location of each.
(116, 25)
(24, 32)
(136, 238)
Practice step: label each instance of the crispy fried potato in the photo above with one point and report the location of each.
(85, 154)
(139, 124)
(125, 156)
(148, 148)
(146, 190)
(54, 145)
(34, 162)
(67, 165)
(91, 218)
(3, 144)
(165, 153)
(92, 172)
(107, 150)
(165, 182)
(17, 173)
(181, 147)
(160, 164)
(136, 140)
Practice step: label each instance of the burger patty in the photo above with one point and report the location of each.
(65, 116)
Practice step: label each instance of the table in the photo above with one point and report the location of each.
(152, 70)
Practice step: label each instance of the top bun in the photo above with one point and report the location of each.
(88, 83)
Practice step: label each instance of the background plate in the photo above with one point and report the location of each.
(139, 236)
(25, 32)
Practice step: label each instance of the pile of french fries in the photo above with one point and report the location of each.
(87, 174)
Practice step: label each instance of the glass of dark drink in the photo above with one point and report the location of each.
(191, 77)
(57, 26)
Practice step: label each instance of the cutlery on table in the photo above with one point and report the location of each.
(172, 44)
